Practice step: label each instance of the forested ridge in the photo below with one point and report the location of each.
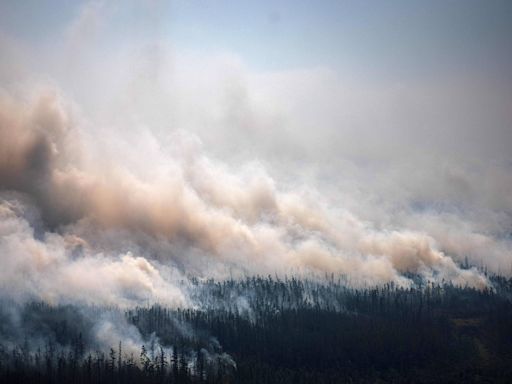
(270, 330)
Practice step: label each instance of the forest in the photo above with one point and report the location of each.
(270, 330)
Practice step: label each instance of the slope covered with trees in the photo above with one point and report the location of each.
(267, 330)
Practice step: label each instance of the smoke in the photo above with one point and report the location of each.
(61, 269)
(108, 235)
(128, 166)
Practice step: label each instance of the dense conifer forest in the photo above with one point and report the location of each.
(269, 330)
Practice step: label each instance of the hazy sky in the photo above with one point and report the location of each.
(393, 39)
(448, 60)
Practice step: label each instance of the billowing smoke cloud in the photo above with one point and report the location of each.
(128, 166)
(74, 220)
(60, 269)
(136, 165)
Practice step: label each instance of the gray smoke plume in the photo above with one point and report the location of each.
(100, 222)
(127, 168)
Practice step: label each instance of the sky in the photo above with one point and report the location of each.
(394, 38)
(146, 141)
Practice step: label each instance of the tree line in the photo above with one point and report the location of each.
(271, 330)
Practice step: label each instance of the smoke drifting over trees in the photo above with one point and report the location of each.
(65, 211)
(136, 174)
(269, 330)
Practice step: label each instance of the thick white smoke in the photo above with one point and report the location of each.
(127, 166)
(135, 164)
(61, 269)
(98, 232)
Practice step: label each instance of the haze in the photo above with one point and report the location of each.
(142, 143)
